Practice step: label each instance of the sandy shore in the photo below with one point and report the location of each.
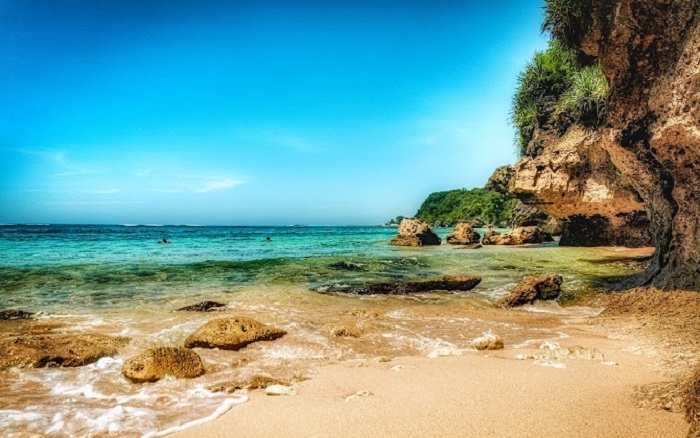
(476, 394)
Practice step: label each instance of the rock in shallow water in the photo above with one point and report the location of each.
(488, 341)
(517, 236)
(9, 315)
(414, 232)
(445, 283)
(203, 306)
(156, 363)
(463, 234)
(232, 334)
(40, 351)
(533, 288)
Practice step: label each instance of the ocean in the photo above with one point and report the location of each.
(118, 280)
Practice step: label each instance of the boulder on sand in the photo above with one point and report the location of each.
(40, 351)
(518, 236)
(156, 363)
(414, 232)
(463, 234)
(232, 334)
(533, 288)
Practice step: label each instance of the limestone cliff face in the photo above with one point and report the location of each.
(572, 179)
(650, 52)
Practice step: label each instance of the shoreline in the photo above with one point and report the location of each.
(488, 393)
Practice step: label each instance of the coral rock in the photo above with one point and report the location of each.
(156, 363)
(232, 334)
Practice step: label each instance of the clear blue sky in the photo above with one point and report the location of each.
(253, 112)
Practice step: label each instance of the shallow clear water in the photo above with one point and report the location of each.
(119, 280)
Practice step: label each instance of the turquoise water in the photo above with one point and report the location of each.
(117, 280)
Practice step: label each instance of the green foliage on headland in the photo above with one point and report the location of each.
(476, 205)
(560, 86)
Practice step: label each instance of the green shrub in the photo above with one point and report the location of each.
(448, 208)
(585, 100)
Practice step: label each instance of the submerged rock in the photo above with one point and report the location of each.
(345, 331)
(518, 236)
(414, 232)
(258, 381)
(471, 246)
(463, 234)
(533, 288)
(347, 266)
(202, 306)
(232, 334)
(156, 363)
(13, 314)
(40, 351)
(445, 283)
(488, 341)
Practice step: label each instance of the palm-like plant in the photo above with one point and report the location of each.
(586, 99)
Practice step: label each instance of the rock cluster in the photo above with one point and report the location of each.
(414, 232)
(463, 234)
(12, 314)
(532, 289)
(517, 236)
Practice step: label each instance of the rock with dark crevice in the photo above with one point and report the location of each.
(414, 232)
(517, 236)
(532, 289)
(463, 234)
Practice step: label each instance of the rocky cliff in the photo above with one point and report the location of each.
(572, 179)
(650, 52)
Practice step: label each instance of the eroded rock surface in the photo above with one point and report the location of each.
(14, 314)
(202, 306)
(532, 289)
(518, 236)
(463, 234)
(57, 350)
(232, 334)
(156, 363)
(414, 232)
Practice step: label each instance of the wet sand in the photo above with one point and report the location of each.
(476, 394)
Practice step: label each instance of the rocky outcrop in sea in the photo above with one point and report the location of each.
(414, 232)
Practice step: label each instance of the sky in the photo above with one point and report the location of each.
(253, 112)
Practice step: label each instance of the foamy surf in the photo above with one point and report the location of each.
(221, 410)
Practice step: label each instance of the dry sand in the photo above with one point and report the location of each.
(477, 394)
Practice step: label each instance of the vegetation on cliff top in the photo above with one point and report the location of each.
(475, 205)
(559, 86)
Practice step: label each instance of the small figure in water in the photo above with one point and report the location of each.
(268, 239)
(164, 241)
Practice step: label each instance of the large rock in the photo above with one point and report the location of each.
(13, 314)
(232, 334)
(518, 236)
(499, 181)
(648, 50)
(463, 234)
(532, 289)
(156, 363)
(573, 179)
(445, 283)
(414, 232)
(40, 351)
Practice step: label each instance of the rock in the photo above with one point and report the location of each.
(9, 315)
(463, 234)
(203, 306)
(444, 351)
(573, 179)
(500, 179)
(256, 382)
(347, 266)
(488, 341)
(361, 393)
(232, 334)
(414, 232)
(445, 283)
(280, 390)
(344, 331)
(51, 350)
(471, 246)
(156, 363)
(533, 288)
(518, 236)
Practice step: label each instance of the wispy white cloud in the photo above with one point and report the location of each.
(102, 192)
(222, 184)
